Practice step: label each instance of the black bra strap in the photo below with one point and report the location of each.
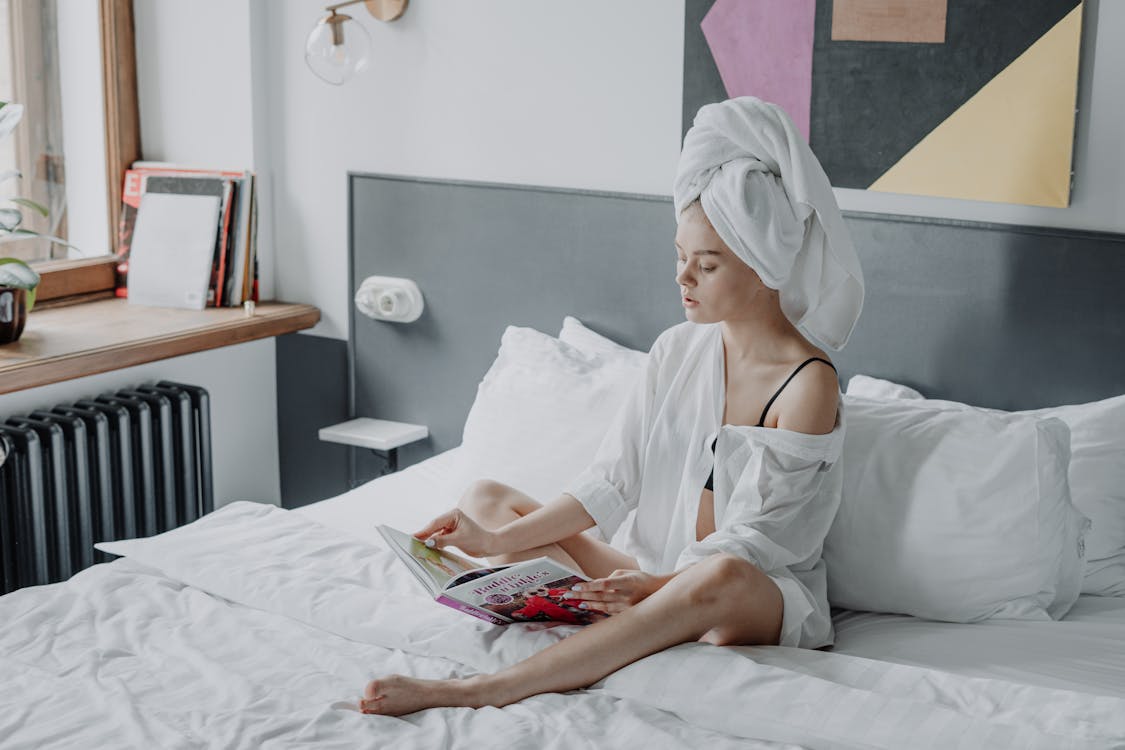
(762, 421)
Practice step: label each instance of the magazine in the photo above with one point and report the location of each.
(528, 591)
(234, 270)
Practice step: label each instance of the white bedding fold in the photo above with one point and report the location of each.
(123, 657)
(284, 564)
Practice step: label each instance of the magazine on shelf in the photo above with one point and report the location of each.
(196, 185)
(528, 591)
(234, 271)
(176, 233)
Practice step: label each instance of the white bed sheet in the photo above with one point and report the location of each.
(255, 627)
(405, 500)
(1084, 652)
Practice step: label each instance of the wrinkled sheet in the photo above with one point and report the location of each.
(257, 627)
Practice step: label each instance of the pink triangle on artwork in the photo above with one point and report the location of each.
(764, 48)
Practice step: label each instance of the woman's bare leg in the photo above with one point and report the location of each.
(722, 600)
(492, 505)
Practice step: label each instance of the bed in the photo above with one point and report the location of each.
(257, 627)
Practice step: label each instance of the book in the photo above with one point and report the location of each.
(197, 185)
(528, 591)
(237, 289)
(172, 250)
(236, 248)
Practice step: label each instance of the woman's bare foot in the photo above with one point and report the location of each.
(397, 695)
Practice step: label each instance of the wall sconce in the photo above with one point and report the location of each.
(335, 56)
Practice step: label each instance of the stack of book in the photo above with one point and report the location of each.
(188, 236)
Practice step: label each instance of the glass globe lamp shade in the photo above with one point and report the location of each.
(336, 50)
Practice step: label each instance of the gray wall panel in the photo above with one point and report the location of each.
(486, 256)
(1010, 317)
(993, 315)
(312, 379)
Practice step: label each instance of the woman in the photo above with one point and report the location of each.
(728, 451)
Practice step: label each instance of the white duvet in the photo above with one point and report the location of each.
(257, 627)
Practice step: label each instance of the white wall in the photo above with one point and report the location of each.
(578, 94)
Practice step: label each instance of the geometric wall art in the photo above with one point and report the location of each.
(971, 99)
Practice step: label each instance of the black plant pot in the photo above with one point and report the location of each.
(13, 313)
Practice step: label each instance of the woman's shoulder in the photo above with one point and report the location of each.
(810, 402)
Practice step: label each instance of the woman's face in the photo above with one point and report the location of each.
(715, 285)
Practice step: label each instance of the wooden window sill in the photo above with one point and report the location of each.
(69, 342)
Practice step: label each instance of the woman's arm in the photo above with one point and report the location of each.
(562, 517)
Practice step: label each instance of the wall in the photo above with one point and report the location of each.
(580, 94)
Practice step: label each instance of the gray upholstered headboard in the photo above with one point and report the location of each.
(994, 315)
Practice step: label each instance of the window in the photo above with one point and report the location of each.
(29, 74)
(73, 66)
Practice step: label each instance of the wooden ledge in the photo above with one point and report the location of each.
(63, 343)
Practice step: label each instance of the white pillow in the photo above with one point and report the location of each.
(540, 413)
(579, 336)
(1096, 473)
(953, 515)
(868, 387)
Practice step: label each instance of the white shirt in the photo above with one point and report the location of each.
(776, 491)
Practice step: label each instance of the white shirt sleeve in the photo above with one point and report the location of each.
(610, 488)
(771, 504)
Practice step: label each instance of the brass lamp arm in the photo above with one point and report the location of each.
(384, 10)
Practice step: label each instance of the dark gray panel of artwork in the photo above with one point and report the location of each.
(312, 392)
(874, 101)
(702, 82)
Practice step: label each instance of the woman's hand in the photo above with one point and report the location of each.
(459, 530)
(621, 590)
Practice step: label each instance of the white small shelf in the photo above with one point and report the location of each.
(377, 434)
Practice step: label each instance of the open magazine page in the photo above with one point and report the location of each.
(433, 567)
(530, 591)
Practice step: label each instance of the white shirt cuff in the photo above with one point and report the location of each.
(601, 500)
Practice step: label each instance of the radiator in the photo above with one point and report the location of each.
(132, 463)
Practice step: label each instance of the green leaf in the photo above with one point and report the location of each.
(10, 219)
(15, 267)
(10, 115)
(17, 274)
(21, 234)
(28, 203)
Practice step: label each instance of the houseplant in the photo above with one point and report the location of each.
(18, 281)
(17, 296)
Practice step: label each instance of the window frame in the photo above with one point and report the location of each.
(77, 280)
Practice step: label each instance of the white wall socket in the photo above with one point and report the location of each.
(389, 298)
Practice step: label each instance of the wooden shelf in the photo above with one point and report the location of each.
(63, 343)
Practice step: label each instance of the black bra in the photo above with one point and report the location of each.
(762, 422)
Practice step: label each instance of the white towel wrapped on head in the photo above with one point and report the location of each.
(769, 200)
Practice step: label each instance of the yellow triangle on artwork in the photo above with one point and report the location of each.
(1013, 141)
